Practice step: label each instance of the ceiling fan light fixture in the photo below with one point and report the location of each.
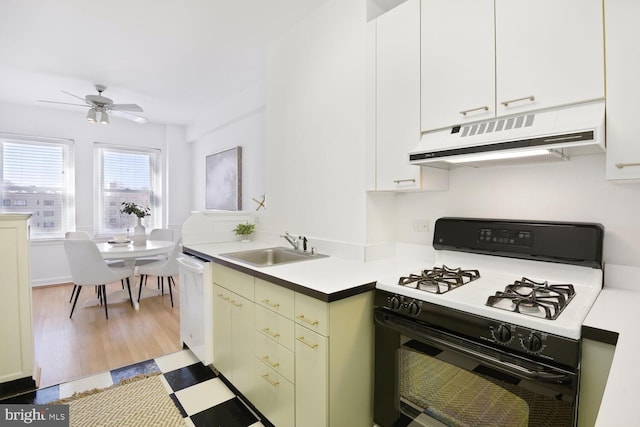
(104, 118)
(91, 116)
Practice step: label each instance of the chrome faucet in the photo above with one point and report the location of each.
(292, 240)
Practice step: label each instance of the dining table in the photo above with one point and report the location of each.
(128, 253)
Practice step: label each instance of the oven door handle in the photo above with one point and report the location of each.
(434, 337)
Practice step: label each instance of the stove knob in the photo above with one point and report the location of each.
(533, 342)
(414, 309)
(502, 334)
(394, 303)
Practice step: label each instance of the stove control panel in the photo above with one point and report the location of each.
(505, 237)
(403, 304)
(519, 338)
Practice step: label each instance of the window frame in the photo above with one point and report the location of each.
(156, 195)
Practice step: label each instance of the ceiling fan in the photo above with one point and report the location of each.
(104, 106)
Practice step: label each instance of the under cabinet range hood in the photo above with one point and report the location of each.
(552, 134)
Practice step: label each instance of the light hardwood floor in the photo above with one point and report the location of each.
(68, 349)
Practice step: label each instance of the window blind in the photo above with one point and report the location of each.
(37, 176)
(126, 175)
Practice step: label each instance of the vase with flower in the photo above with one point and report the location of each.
(139, 232)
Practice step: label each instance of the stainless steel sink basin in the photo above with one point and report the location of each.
(272, 256)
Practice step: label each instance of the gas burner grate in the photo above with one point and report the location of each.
(533, 298)
(439, 280)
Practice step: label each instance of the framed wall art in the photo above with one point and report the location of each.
(224, 180)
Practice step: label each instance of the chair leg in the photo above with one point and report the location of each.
(75, 301)
(122, 283)
(73, 292)
(161, 284)
(142, 278)
(99, 290)
(169, 279)
(104, 296)
(129, 288)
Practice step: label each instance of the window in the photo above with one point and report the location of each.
(126, 175)
(34, 170)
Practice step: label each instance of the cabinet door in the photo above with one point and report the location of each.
(275, 396)
(623, 87)
(312, 374)
(242, 344)
(222, 357)
(397, 96)
(457, 62)
(548, 50)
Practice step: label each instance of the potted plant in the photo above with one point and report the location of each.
(244, 230)
(139, 232)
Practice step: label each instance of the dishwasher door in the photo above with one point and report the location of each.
(196, 302)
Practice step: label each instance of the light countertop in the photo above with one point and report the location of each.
(616, 310)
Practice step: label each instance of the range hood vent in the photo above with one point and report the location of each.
(555, 133)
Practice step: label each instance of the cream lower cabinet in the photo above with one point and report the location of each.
(595, 365)
(16, 354)
(233, 328)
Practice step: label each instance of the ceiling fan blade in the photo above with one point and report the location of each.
(128, 116)
(75, 96)
(65, 103)
(126, 107)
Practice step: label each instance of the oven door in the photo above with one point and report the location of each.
(426, 376)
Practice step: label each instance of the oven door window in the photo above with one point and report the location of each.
(441, 387)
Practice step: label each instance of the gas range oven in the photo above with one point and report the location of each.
(490, 333)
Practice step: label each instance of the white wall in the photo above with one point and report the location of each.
(238, 122)
(316, 126)
(567, 191)
(49, 263)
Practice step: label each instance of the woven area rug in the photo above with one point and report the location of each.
(139, 401)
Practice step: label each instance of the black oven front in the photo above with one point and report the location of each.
(428, 374)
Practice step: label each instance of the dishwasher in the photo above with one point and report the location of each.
(196, 301)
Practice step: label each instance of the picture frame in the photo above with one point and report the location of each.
(224, 180)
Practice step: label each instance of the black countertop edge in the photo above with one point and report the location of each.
(335, 296)
(600, 335)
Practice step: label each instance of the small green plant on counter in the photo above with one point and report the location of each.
(133, 209)
(244, 229)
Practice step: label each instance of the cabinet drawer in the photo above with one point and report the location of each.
(275, 396)
(312, 313)
(275, 356)
(275, 298)
(235, 281)
(312, 378)
(277, 328)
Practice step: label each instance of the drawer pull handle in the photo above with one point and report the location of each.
(270, 304)
(270, 381)
(484, 107)
(269, 362)
(624, 165)
(235, 303)
(305, 320)
(398, 181)
(271, 334)
(221, 296)
(308, 344)
(511, 101)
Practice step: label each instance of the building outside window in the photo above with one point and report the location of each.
(126, 175)
(37, 176)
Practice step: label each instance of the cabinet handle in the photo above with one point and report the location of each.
(271, 334)
(624, 165)
(484, 107)
(305, 320)
(511, 101)
(270, 381)
(221, 296)
(269, 362)
(270, 304)
(305, 342)
(398, 181)
(235, 303)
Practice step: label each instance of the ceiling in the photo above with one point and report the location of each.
(176, 59)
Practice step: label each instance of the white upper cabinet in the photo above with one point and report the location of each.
(623, 87)
(458, 65)
(397, 102)
(548, 53)
(481, 61)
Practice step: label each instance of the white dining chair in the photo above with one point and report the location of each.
(161, 269)
(88, 268)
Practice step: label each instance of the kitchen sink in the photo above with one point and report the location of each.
(272, 256)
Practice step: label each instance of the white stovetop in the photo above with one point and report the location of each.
(495, 274)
